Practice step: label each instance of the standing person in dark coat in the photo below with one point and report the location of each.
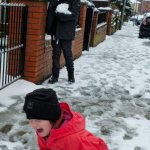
(61, 27)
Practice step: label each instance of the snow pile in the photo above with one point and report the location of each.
(105, 8)
(63, 8)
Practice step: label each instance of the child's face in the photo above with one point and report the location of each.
(43, 127)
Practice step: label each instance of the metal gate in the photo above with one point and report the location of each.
(88, 27)
(13, 22)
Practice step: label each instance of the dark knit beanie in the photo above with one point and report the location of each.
(42, 104)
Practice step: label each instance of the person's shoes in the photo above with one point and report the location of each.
(53, 80)
(71, 78)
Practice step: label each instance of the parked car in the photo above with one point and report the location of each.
(144, 31)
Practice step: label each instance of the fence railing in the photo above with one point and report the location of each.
(13, 21)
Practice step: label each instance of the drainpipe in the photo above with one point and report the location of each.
(122, 14)
(142, 6)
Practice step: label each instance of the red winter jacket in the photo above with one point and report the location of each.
(72, 135)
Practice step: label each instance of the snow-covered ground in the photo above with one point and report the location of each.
(112, 91)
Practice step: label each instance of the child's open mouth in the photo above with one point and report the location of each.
(39, 130)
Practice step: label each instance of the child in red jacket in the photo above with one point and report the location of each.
(56, 125)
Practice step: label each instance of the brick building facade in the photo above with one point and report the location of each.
(144, 6)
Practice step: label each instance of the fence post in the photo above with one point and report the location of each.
(77, 45)
(109, 17)
(94, 24)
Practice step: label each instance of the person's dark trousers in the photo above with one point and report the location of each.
(65, 46)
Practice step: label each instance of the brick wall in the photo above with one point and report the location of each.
(98, 33)
(77, 45)
(93, 30)
(146, 6)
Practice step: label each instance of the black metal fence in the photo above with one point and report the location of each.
(13, 22)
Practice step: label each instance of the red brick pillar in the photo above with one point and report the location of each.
(109, 17)
(82, 16)
(94, 25)
(37, 57)
(77, 45)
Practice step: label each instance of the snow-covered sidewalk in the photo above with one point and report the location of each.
(112, 90)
